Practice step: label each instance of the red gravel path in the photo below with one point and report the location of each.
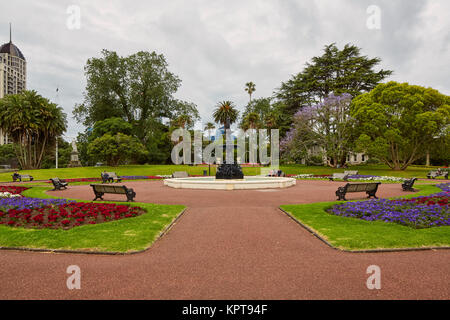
(229, 245)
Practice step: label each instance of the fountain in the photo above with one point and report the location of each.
(229, 176)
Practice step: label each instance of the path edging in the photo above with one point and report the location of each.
(357, 251)
(109, 253)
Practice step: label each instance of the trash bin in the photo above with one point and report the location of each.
(205, 172)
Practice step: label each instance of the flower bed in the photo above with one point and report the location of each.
(354, 177)
(367, 177)
(60, 213)
(12, 189)
(140, 177)
(9, 195)
(80, 180)
(419, 212)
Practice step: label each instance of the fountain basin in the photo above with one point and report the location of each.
(248, 183)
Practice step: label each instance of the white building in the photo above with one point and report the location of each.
(13, 74)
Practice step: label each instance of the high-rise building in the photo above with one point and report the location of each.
(13, 74)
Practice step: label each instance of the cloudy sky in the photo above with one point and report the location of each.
(215, 47)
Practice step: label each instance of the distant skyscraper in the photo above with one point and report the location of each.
(13, 73)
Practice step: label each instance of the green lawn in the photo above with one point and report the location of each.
(355, 234)
(125, 236)
(151, 170)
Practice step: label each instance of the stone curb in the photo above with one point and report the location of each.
(359, 251)
(109, 253)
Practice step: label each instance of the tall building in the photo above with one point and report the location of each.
(13, 74)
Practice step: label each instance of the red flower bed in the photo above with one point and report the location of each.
(12, 189)
(432, 200)
(80, 180)
(67, 216)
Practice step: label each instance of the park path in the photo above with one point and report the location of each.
(229, 245)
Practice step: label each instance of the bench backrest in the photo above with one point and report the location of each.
(111, 174)
(108, 188)
(361, 187)
(55, 180)
(339, 175)
(180, 174)
(354, 172)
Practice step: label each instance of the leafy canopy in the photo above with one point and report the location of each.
(33, 123)
(117, 149)
(336, 71)
(396, 122)
(137, 88)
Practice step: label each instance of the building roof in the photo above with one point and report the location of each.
(11, 49)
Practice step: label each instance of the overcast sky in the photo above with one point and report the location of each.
(215, 47)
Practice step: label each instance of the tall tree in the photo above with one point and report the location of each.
(396, 122)
(209, 127)
(336, 71)
(136, 88)
(33, 123)
(321, 130)
(251, 121)
(225, 113)
(250, 87)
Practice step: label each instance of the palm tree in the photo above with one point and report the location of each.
(182, 121)
(250, 87)
(270, 120)
(225, 113)
(33, 123)
(251, 121)
(209, 127)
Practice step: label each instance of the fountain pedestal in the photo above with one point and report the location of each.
(229, 171)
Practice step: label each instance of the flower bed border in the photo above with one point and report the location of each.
(93, 252)
(314, 233)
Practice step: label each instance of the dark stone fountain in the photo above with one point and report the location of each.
(229, 170)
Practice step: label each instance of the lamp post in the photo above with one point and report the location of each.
(56, 153)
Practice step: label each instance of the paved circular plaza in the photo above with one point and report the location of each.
(229, 245)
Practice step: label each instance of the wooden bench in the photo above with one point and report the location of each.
(59, 184)
(19, 177)
(341, 176)
(110, 177)
(434, 174)
(370, 188)
(101, 189)
(407, 185)
(180, 174)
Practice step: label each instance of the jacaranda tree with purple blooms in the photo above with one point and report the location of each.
(321, 130)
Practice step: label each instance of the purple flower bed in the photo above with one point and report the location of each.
(362, 176)
(29, 203)
(412, 212)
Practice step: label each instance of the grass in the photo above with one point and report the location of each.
(125, 236)
(355, 234)
(152, 170)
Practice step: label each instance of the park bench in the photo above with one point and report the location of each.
(180, 174)
(59, 184)
(407, 185)
(101, 189)
(342, 176)
(276, 173)
(434, 174)
(351, 173)
(370, 188)
(20, 177)
(110, 177)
